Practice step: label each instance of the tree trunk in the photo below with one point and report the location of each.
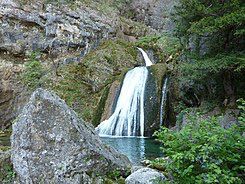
(229, 88)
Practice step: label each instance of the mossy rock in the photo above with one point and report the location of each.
(5, 140)
(151, 106)
(82, 85)
(159, 71)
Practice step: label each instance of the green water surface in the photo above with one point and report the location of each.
(135, 148)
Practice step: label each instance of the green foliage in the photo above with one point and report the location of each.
(7, 174)
(114, 174)
(241, 107)
(212, 37)
(203, 17)
(201, 68)
(148, 41)
(216, 24)
(165, 46)
(204, 152)
(31, 77)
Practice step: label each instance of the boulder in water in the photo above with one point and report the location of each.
(51, 145)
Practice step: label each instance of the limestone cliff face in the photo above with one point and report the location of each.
(55, 28)
(153, 13)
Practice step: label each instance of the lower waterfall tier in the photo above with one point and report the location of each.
(128, 117)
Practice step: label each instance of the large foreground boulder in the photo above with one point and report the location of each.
(51, 145)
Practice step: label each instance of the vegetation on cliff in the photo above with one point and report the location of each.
(212, 38)
(33, 73)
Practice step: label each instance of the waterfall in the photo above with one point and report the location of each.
(128, 117)
(146, 58)
(163, 100)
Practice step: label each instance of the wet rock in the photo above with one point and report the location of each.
(145, 176)
(151, 105)
(111, 100)
(153, 96)
(51, 145)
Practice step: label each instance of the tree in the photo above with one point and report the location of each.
(216, 29)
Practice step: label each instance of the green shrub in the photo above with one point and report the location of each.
(241, 107)
(33, 73)
(204, 152)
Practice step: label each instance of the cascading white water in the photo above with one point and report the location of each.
(148, 62)
(163, 100)
(128, 117)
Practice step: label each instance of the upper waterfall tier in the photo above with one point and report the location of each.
(128, 117)
(148, 62)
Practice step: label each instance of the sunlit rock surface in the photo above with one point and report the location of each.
(51, 145)
(145, 176)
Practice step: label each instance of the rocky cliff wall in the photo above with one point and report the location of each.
(60, 35)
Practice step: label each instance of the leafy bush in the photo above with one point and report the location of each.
(204, 152)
